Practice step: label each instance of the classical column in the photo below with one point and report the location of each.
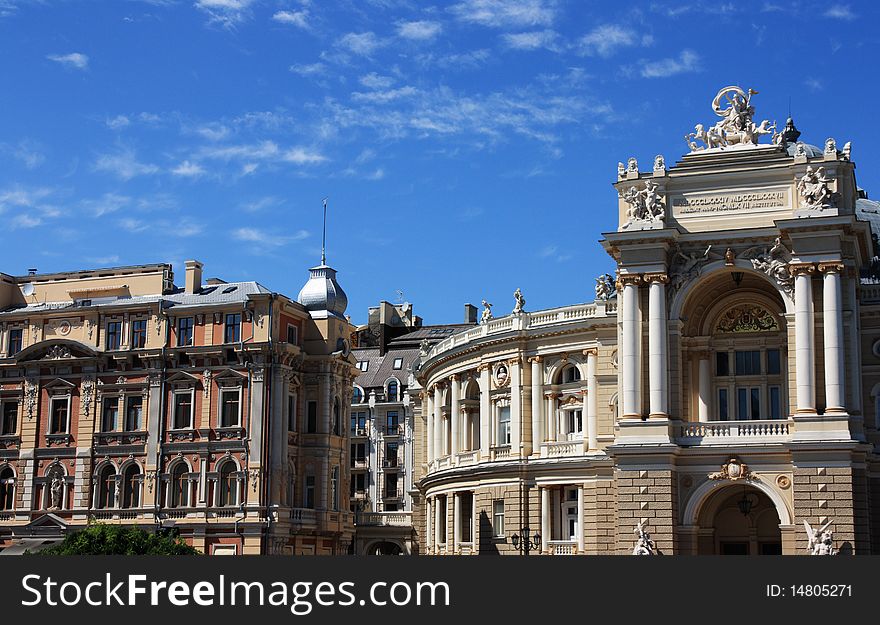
(485, 412)
(591, 401)
(704, 375)
(657, 342)
(515, 369)
(429, 524)
(428, 402)
(438, 535)
(545, 519)
(832, 316)
(580, 522)
(629, 350)
(438, 423)
(455, 414)
(551, 416)
(805, 365)
(537, 404)
(456, 522)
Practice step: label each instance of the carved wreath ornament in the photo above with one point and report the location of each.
(733, 470)
(747, 318)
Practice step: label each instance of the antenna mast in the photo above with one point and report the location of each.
(324, 236)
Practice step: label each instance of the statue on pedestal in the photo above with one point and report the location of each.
(644, 545)
(605, 289)
(519, 307)
(821, 541)
(486, 316)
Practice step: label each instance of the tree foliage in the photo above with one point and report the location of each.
(104, 539)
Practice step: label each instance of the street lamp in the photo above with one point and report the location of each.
(523, 543)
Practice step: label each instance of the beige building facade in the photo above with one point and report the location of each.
(217, 409)
(719, 392)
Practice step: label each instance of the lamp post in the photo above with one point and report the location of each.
(523, 543)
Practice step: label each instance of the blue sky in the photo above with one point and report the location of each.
(467, 148)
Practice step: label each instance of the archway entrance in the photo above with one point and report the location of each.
(385, 548)
(739, 520)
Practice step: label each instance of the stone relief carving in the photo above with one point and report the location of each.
(87, 389)
(644, 545)
(30, 397)
(747, 318)
(687, 267)
(645, 206)
(57, 352)
(846, 152)
(621, 170)
(659, 163)
(486, 315)
(519, 306)
(820, 541)
(774, 263)
(830, 146)
(736, 126)
(733, 470)
(605, 289)
(814, 190)
(632, 164)
(207, 375)
(56, 488)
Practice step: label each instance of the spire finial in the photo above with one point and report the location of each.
(324, 235)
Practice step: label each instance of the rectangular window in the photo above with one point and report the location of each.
(775, 403)
(498, 518)
(504, 425)
(363, 365)
(312, 420)
(391, 421)
(391, 455)
(722, 404)
(10, 418)
(134, 410)
(109, 413)
(15, 340)
(722, 363)
(442, 502)
(291, 413)
(139, 334)
(310, 492)
(232, 328)
(58, 415)
(229, 408)
(742, 404)
(398, 363)
(184, 331)
(748, 363)
(773, 362)
(182, 410)
(755, 397)
(391, 485)
(292, 334)
(114, 335)
(575, 422)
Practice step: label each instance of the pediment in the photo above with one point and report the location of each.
(60, 383)
(55, 349)
(48, 520)
(183, 378)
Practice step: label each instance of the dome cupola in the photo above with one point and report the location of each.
(321, 295)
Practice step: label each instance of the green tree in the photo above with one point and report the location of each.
(103, 539)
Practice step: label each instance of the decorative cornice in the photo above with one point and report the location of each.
(482, 367)
(831, 267)
(797, 269)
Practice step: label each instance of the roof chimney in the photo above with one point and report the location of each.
(193, 276)
(470, 313)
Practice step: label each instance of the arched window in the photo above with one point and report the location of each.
(393, 390)
(571, 374)
(179, 486)
(131, 491)
(357, 396)
(228, 485)
(106, 487)
(7, 489)
(337, 418)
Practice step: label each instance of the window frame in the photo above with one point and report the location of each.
(52, 400)
(138, 338)
(192, 402)
(126, 406)
(235, 327)
(109, 402)
(4, 430)
(116, 345)
(190, 329)
(295, 328)
(221, 406)
(498, 518)
(19, 333)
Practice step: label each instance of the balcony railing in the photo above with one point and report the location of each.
(392, 493)
(360, 463)
(562, 547)
(384, 519)
(305, 516)
(738, 432)
(390, 463)
(562, 449)
(468, 457)
(501, 452)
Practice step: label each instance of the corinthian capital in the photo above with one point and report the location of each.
(798, 269)
(660, 278)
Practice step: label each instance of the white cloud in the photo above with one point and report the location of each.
(840, 12)
(213, 132)
(107, 203)
(263, 151)
(21, 197)
(420, 30)
(375, 81)
(104, 260)
(385, 96)
(531, 40)
(27, 151)
(462, 60)
(188, 169)
(132, 225)
(606, 39)
(75, 60)
(25, 221)
(226, 13)
(506, 13)
(687, 61)
(294, 18)
(117, 123)
(265, 238)
(302, 156)
(311, 69)
(813, 84)
(124, 165)
(270, 201)
(362, 44)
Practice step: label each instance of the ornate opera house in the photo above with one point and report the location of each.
(719, 392)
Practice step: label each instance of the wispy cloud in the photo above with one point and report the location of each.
(470, 59)
(226, 13)
(551, 252)
(840, 12)
(269, 201)
(506, 13)
(384, 96)
(531, 40)
(375, 81)
(268, 151)
(310, 69)
(294, 18)
(813, 84)
(28, 152)
(124, 165)
(607, 39)
(22, 197)
(420, 30)
(264, 238)
(361, 44)
(107, 203)
(188, 169)
(117, 123)
(76, 60)
(213, 131)
(687, 61)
